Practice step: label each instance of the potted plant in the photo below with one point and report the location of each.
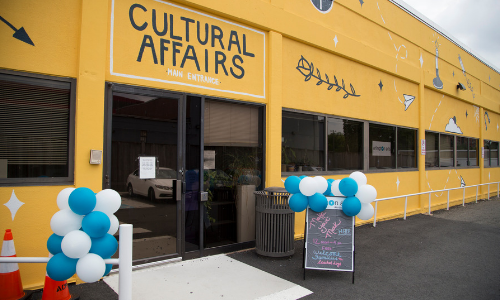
(287, 158)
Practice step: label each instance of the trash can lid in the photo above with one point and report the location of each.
(275, 189)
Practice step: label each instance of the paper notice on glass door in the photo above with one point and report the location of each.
(147, 167)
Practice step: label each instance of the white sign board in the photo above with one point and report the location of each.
(422, 147)
(147, 167)
(381, 148)
(209, 159)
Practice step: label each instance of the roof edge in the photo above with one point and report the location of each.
(417, 15)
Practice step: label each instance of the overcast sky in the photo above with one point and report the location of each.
(474, 23)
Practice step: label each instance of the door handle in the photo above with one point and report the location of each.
(177, 185)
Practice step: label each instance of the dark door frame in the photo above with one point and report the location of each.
(108, 117)
(181, 163)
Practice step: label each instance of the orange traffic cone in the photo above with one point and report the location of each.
(11, 287)
(55, 290)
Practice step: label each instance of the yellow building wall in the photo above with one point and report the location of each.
(70, 41)
(174, 58)
(442, 109)
(318, 81)
(93, 41)
(54, 28)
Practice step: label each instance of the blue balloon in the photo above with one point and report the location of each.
(292, 184)
(108, 269)
(54, 244)
(348, 187)
(104, 246)
(60, 267)
(302, 177)
(318, 202)
(328, 191)
(351, 206)
(82, 201)
(298, 202)
(96, 224)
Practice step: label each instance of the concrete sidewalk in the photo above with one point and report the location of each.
(449, 255)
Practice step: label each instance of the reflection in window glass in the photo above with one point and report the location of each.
(467, 154)
(462, 151)
(382, 143)
(431, 149)
(146, 126)
(473, 153)
(490, 153)
(446, 148)
(494, 154)
(486, 153)
(303, 142)
(345, 145)
(233, 138)
(407, 141)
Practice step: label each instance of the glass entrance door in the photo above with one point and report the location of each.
(186, 168)
(145, 162)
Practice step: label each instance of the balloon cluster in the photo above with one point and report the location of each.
(83, 234)
(312, 192)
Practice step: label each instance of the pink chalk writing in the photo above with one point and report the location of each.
(321, 218)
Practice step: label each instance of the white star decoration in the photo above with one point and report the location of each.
(397, 183)
(421, 61)
(335, 40)
(13, 204)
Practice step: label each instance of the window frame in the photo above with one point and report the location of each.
(455, 153)
(366, 154)
(468, 152)
(48, 181)
(325, 143)
(489, 154)
(363, 142)
(395, 169)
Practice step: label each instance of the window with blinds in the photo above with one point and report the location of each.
(227, 124)
(35, 128)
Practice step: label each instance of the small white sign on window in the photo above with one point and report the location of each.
(147, 167)
(209, 160)
(381, 148)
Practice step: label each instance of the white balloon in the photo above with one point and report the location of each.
(90, 268)
(321, 183)
(62, 198)
(64, 221)
(359, 177)
(308, 186)
(366, 212)
(108, 201)
(335, 189)
(114, 224)
(76, 244)
(366, 193)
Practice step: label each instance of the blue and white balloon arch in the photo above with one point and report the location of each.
(312, 192)
(83, 234)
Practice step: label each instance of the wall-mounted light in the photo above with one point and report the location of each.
(460, 87)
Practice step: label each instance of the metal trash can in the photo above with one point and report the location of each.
(274, 223)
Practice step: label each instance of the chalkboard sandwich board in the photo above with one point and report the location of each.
(329, 238)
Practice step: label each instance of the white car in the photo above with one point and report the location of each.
(157, 188)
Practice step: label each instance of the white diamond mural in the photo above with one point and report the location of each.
(13, 204)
